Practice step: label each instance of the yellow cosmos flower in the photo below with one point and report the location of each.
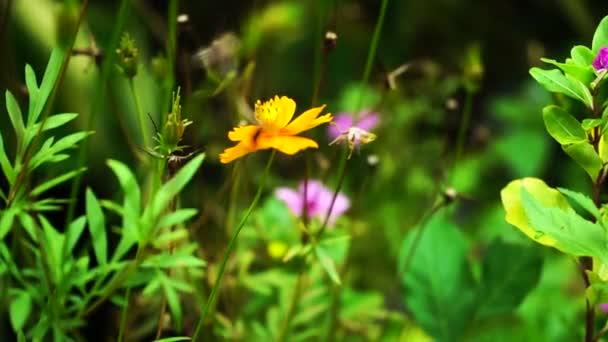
(275, 129)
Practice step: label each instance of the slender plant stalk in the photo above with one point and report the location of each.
(106, 69)
(464, 124)
(371, 54)
(344, 158)
(145, 136)
(216, 285)
(123, 316)
(291, 310)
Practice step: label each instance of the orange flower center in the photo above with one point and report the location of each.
(268, 114)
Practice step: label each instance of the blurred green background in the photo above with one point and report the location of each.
(456, 51)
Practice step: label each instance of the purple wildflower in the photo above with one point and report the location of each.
(318, 201)
(601, 60)
(366, 121)
(603, 307)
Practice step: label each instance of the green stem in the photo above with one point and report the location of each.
(341, 176)
(464, 124)
(295, 299)
(231, 244)
(371, 54)
(140, 115)
(123, 316)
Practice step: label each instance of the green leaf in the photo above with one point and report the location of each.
(46, 86)
(20, 309)
(509, 273)
(582, 55)
(600, 38)
(555, 81)
(562, 126)
(48, 150)
(73, 234)
(584, 201)
(327, 263)
(32, 88)
(173, 339)
(97, 227)
(56, 181)
(589, 124)
(170, 189)
(573, 234)
(131, 207)
(53, 249)
(439, 282)
(581, 73)
(51, 122)
(175, 307)
(175, 260)
(29, 226)
(7, 216)
(586, 156)
(177, 217)
(14, 113)
(7, 168)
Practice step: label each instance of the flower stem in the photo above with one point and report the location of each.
(140, 115)
(464, 124)
(371, 54)
(214, 289)
(341, 176)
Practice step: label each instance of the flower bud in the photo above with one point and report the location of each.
(127, 55)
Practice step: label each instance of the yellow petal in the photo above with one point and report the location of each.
(307, 120)
(235, 152)
(287, 107)
(286, 144)
(243, 133)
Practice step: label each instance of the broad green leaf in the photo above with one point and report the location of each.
(7, 168)
(600, 38)
(327, 263)
(14, 113)
(582, 55)
(438, 282)
(177, 217)
(572, 234)
(20, 309)
(584, 201)
(581, 73)
(170, 189)
(47, 85)
(555, 81)
(515, 214)
(563, 127)
(586, 156)
(509, 272)
(97, 227)
(56, 181)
